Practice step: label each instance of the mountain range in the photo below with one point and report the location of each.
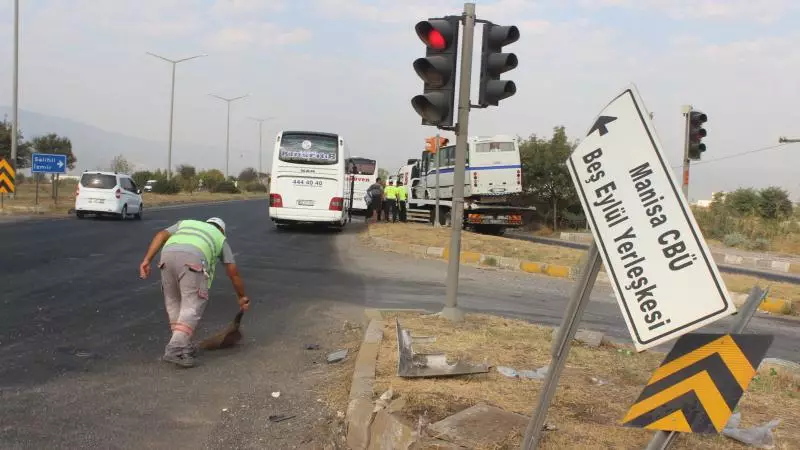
(94, 147)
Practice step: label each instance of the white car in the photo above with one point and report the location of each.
(108, 193)
(148, 186)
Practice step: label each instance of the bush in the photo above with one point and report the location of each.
(255, 186)
(226, 187)
(760, 244)
(735, 240)
(168, 187)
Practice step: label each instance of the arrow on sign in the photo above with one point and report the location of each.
(6, 177)
(699, 383)
(60, 164)
(600, 125)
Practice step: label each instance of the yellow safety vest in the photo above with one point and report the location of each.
(391, 192)
(402, 194)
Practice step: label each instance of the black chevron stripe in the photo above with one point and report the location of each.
(689, 404)
(685, 346)
(754, 346)
(717, 370)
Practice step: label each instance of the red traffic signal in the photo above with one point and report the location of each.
(437, 70)
(437, 34)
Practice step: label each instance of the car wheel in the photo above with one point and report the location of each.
(138, 215)
(79, 215)
(124, 214)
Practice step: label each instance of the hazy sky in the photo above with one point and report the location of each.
(345, 66)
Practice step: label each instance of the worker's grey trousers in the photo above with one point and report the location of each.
(185, 286)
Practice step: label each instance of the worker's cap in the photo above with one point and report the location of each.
(218, 222)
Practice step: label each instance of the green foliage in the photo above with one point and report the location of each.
(248, 175)
(226, 187)
(545, 177)
(743, 202)
(255, 186)
(210, 179)
(24, 149)
(55, 144)
(774, 203)
(168, 187)
(141, 177)
(186, 171)
(383, 174)
(735, 240)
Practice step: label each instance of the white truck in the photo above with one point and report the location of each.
(493, 175)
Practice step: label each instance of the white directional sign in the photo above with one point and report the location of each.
(660, 267)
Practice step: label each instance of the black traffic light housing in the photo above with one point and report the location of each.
(494, 62)
(696, 134)
(437, 70)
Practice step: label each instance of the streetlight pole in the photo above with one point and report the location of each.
(783, 140)
(172, 105)
(260, 136)
(15, 91)
(228, 129)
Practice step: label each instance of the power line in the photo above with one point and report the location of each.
(736, 155)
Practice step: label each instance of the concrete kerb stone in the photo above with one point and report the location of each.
(770, 304)
(360, 404)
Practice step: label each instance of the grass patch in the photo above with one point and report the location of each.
(587, 415)
(26, 198)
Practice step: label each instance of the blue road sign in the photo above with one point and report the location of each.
(47, 163)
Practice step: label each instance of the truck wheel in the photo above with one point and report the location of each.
(444, 218)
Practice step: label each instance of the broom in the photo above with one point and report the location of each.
(225, 338)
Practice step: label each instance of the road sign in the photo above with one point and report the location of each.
(6, 177)
(697, 387)
(660, 267)
(48, 163)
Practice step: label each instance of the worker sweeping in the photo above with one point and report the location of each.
(189, 257)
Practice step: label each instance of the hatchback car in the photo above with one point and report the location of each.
(108, 193)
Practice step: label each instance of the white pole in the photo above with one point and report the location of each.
(228, 129)
(15, 91)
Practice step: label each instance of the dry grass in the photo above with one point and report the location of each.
(743, 283)
(26, 197)
(586, 415)
(336, 391)
(473, 242)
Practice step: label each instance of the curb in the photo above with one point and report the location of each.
(786, 265)
(360, 405)
(770, 304)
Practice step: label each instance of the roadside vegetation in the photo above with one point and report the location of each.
(596, 390)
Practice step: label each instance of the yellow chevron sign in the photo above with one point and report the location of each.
(699, 383)
(6, 177)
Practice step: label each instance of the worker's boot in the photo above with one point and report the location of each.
(183, 359)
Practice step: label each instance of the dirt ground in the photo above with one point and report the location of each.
(595, 391)
(426, 235)
(26, 197)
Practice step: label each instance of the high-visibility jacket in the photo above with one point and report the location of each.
(402, 194)
(390, 192)
(205, 237)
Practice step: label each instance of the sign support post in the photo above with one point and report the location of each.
(451, 310)
(436, 223)
(561, 346)
(663, 439)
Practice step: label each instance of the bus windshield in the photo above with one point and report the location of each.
(486, 147)
(309, 148)
(363, 166)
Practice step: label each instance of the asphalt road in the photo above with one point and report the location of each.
(80, 334)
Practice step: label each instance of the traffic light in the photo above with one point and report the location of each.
(437, 70)
(494, 62)
(696, 134)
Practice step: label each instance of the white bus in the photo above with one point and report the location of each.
(309, 179)
(494, 169)
(362, 173)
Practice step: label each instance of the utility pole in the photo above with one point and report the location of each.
(15, 92)
(437, 147)
(172, 104)
(260, 136)
(686, 109)
(228, 128)
(783, 140)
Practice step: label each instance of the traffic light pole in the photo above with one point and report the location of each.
(687, 115)
(436, 223)
(451, 310)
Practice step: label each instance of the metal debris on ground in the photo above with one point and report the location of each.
(758, 437)
(411, 364)
(281, 417)
(383, 400)
(337, 356)
(276, 394)
(598, 381)
(538, 374)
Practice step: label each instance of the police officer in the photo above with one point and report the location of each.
(402, 196)
(390, 201)
(188, 262)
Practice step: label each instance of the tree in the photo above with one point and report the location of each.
(743, 201)
(187, 178)
(55, 144)
(247, 175)
(383, 174)
(141, 177)
(186, 171)
(774, 203)
(545, 174)
(120, 165)
(211, 178)
(24, 149)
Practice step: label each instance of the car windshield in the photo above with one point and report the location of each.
(98, 181)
